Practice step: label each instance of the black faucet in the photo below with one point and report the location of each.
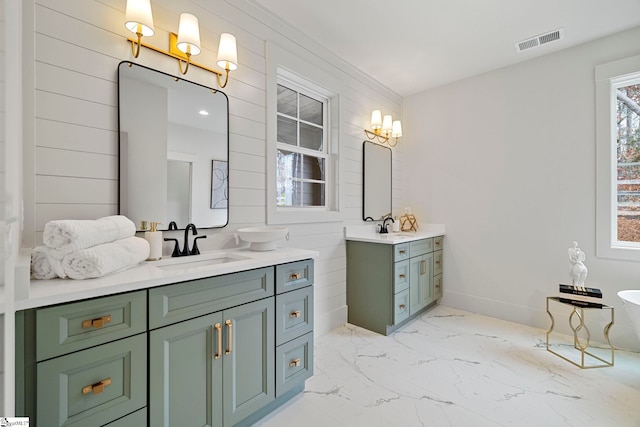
(185, 250)
(173, 226)
(383, 226)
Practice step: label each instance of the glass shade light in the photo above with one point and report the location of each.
(387, 124)
(138, 17)
(227, 52)
(376, 119)
(188, 34)
(396, 130)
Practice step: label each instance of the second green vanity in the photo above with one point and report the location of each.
(390, 281)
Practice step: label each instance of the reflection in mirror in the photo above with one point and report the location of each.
(174, 149)
(376, 181)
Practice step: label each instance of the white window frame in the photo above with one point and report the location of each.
(609, 77)
(282, 64)
(326, 137)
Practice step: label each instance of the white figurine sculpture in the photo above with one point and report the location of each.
(577, 269)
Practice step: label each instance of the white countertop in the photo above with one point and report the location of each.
(368, 233)
(155, 273)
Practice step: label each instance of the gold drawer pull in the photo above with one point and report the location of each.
(96, 388)
(294, 314)
(402, 276)
(294, 363)
(437, 286)
(402, 306)
(423, 267)
(295, 276)
(229, 336)
(96, 323)
(438, 242)
(438, 262)
(218, 329)
(402, 252)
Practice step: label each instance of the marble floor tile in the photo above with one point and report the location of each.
(454, 368)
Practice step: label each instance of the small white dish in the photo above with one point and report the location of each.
(263, 238)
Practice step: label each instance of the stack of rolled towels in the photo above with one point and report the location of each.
(85, 249)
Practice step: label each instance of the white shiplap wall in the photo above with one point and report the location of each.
(78, 45)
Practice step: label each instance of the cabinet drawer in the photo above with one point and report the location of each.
(400, 252)
(137, 419)
(95, 386)
(437, 263)
(294, 363)
(400, 276)
(71, 327)
(437, 243)
(420, 247)
(437, 287)
(294, 275)
(182, 301)
(400, 306)
(294, 314)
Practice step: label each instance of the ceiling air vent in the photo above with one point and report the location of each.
(540, 40)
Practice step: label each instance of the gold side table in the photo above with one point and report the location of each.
(579, 344)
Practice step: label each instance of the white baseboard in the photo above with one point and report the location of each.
(326, 322)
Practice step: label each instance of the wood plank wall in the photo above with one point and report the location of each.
(78, 45)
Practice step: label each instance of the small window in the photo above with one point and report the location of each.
(302, 155)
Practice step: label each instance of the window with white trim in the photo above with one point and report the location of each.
(618, 159)
(302, 153)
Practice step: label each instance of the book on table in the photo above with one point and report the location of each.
(580, 296)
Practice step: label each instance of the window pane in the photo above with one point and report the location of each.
(287, 101)
(287, 132)
(313, 194)
(628, 173)
(310, 110)
(313, 168)
(310, 137)
(289, 165)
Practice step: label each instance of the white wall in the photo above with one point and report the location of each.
(507, 161)
(78, 45)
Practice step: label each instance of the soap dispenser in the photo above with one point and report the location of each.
(154, 237)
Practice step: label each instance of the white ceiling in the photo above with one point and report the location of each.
(413, 45)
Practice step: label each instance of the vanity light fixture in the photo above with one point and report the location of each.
(182, 46)
(384, 128)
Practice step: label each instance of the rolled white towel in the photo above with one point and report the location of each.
(46, 263)
(107, 258)
(70, 235)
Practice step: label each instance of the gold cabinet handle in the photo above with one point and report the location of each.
(96, 388)
(438, 261)
(437, 286)
(96, 323)
(218, 329)
(295, 276)
(294, 363)
(402, 276)
(402, 306)
(294, 314)
(437, 242)
(402, 251)
(423, 267)
(229, 336)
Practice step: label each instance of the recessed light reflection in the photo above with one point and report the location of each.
(203, 112)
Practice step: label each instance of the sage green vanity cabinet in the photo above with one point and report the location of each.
(218, 351)
(213, 370)
(388, 284)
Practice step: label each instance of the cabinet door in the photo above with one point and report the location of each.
(248, 377)
(420, 282)
(185, 377)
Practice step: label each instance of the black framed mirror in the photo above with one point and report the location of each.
(376, 181)
(174, 149)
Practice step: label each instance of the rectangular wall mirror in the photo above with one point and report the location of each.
(376, 181)
(174, 149)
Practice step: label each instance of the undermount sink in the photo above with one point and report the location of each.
(196, 261)
(263, 238)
